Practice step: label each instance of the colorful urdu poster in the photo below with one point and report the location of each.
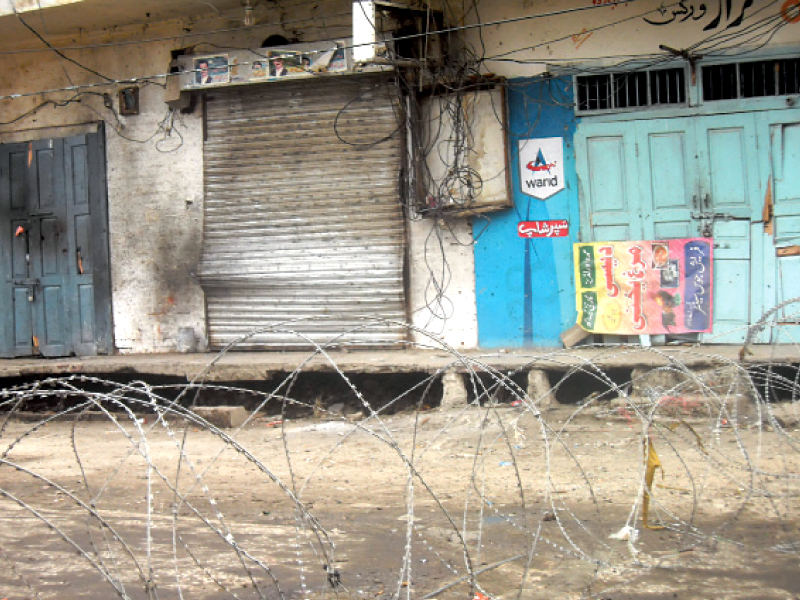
(634, 288)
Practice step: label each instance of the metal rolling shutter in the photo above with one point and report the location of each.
(303, 222)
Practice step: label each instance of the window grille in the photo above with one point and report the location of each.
(756, 79)
(789, 76)
(667, 87)
(594, 92)
(626, 90)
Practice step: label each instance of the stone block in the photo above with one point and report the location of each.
(540, 390)
(454, 390)
(224, 417)
(573, 335)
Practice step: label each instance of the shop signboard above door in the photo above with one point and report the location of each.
(541, 166)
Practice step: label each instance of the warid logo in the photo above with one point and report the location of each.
(541, 163)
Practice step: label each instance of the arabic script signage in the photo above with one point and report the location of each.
(712, 13)
(543, 229)
(541, 166)
(631, 288)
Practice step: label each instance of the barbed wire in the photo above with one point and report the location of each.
(333, 486)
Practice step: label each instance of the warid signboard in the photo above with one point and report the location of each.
(541, 166)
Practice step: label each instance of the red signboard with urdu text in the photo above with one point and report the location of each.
(543, 229)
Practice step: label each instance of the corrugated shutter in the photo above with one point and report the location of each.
(303, 219)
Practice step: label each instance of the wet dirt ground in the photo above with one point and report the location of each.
(439, 504)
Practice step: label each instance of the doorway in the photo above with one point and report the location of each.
(55, 288)
(708, 175)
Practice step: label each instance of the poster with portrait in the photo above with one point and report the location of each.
(259, 69)
(644, 287)
(284, 63)
(211, 69)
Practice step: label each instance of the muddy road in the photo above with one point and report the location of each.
(455, 503)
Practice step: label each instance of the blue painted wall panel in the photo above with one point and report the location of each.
(524, 287)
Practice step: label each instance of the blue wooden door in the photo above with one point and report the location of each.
(47, 294)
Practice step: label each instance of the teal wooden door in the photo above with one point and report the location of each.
(677, 178)
(51, 247)
(638, 180)
(783, 150)
(667, 179)
(17, 298)
(46, 239)
(611, 207)
(728, 162)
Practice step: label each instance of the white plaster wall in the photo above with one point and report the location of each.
(442, 281)
(155, 193)
(442, 274)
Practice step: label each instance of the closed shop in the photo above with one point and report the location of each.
(663, 158)
(303, 221)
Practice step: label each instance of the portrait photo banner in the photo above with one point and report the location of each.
(635, 288)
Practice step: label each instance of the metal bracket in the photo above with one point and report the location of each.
(31, 284)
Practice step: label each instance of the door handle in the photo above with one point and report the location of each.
(707, 202)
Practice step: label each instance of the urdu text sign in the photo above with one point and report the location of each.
(644, 287)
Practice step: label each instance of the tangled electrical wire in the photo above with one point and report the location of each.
(333, 485)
